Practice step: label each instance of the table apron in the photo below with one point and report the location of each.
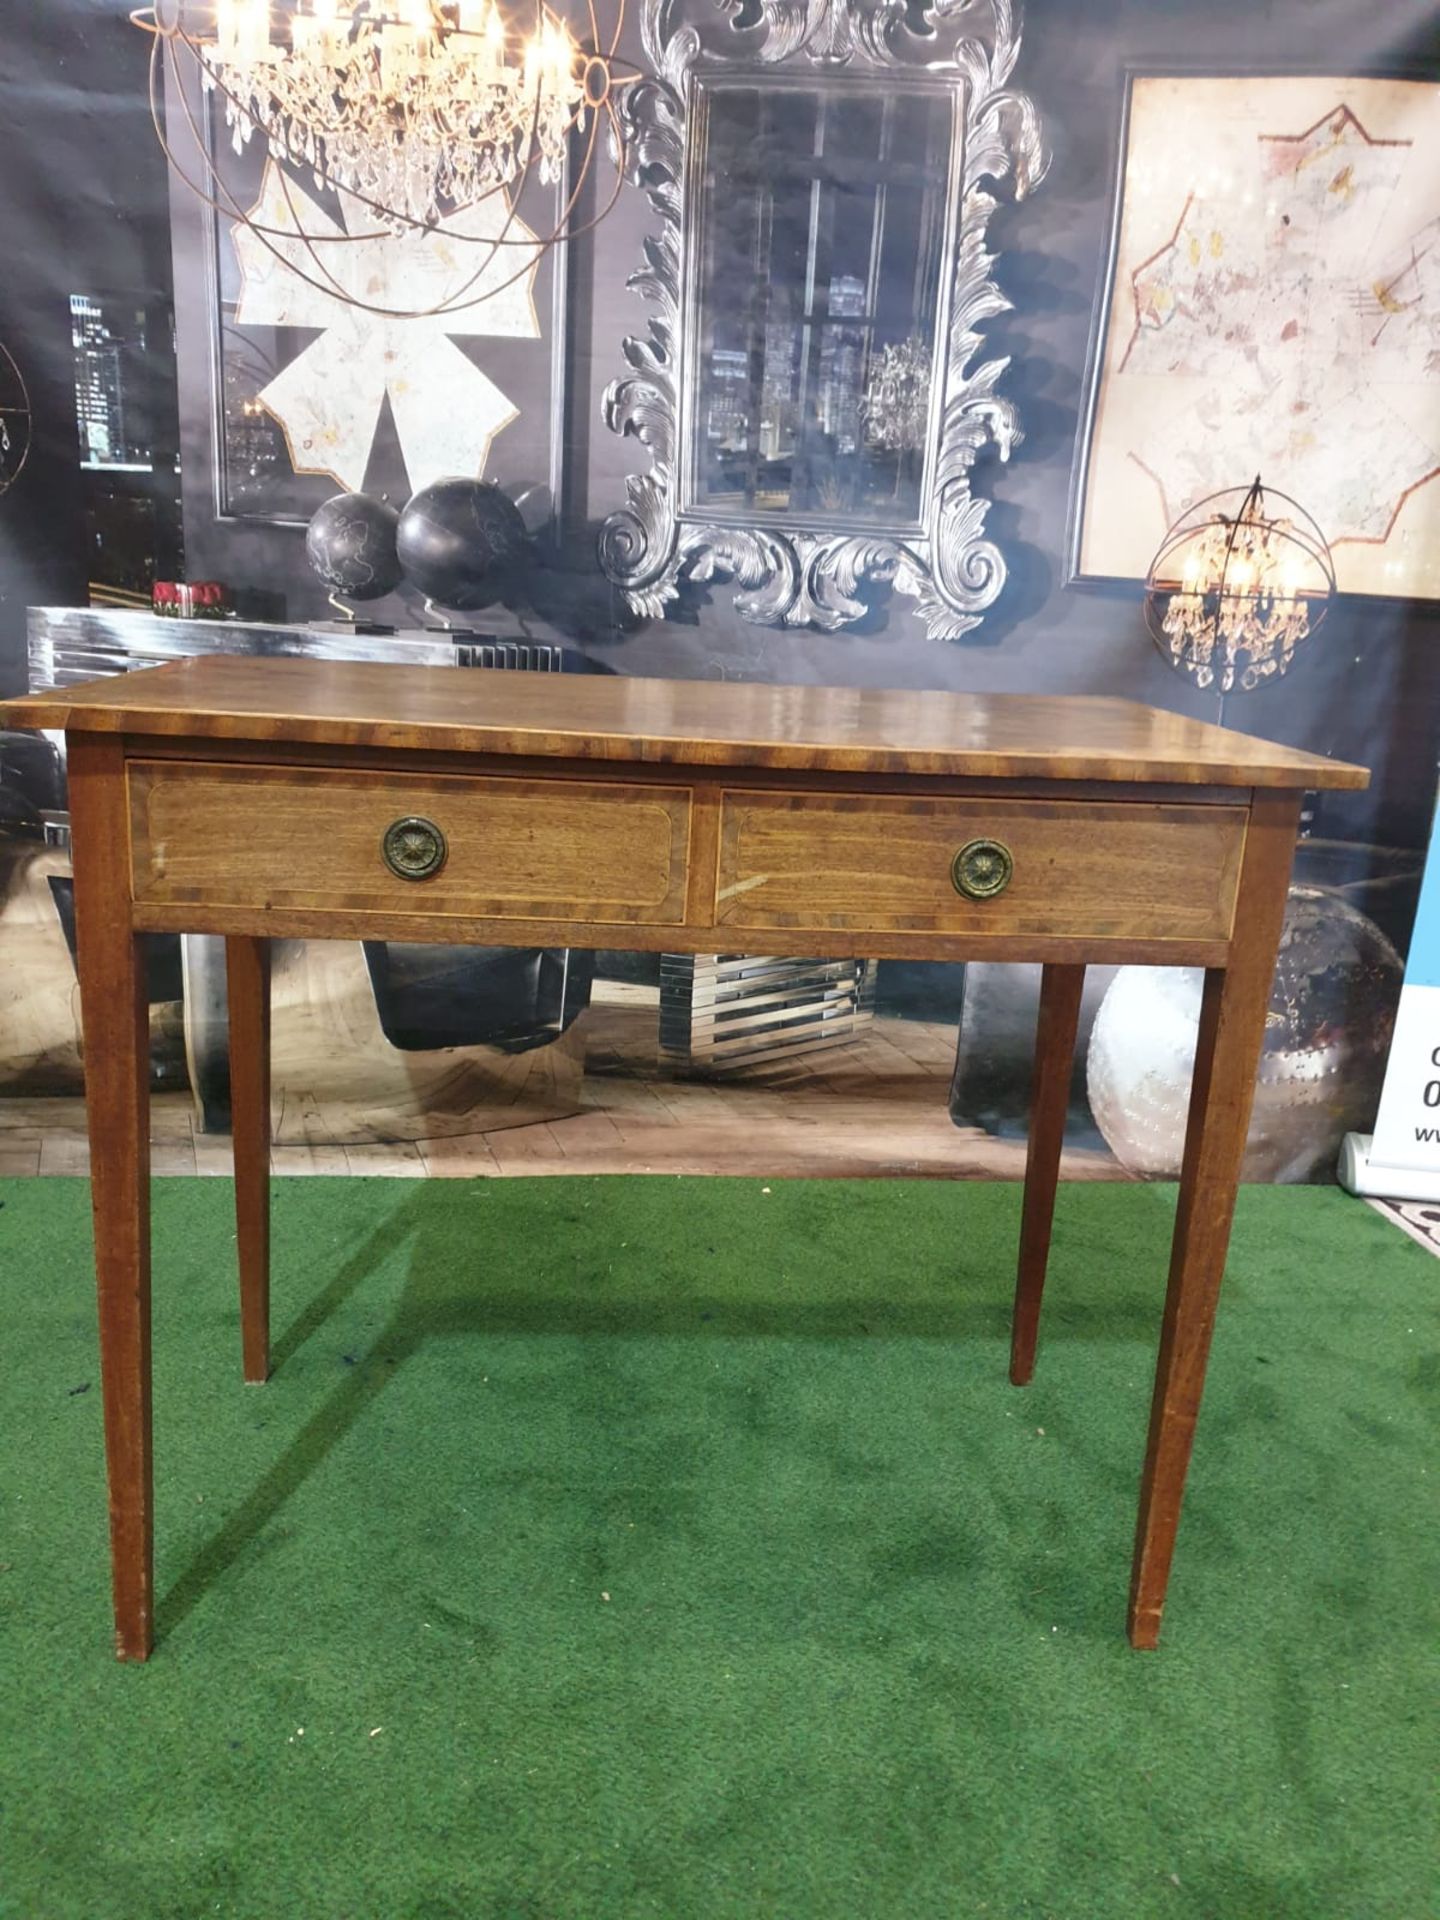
(881, 944)
(705, 866)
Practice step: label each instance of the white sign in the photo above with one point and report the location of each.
(1402, 1160)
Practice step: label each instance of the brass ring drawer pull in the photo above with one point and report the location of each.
(982, 868)
(414, 848)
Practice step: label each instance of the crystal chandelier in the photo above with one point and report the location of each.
(1236, 587)
(414, 109)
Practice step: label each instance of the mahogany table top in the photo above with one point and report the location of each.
(681, 722)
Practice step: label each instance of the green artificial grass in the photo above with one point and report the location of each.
(622, 1547)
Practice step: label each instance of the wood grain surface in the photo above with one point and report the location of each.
(117, 1102)
(518, 849)
(1061, 990)
(247, 984)
(883, 863)
(1233, 1011)
(695, 723)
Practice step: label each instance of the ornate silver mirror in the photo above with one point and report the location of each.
(806, 392)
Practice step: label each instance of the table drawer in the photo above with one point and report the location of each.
(493, 848)
(872, 862)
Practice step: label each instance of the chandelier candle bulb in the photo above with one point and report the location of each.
(550, 65)
(399, 54)
(242, 30)
(253, 37)
(309, 34)
(318, 32)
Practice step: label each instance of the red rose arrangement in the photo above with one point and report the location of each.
(190, 600)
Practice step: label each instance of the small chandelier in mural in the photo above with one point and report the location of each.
(413, 111)
(14, 421)
(1240, 581)
(895, 406)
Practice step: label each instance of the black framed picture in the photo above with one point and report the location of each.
(331, 374)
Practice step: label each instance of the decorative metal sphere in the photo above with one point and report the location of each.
(1236, 586)
(14, 421)
(1332, 1009)
(350, 543)
(461, 543)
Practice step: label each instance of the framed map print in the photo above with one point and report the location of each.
(1272, 308)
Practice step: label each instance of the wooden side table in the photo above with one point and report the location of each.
(302, 799)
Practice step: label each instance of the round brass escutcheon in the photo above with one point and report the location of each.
(982, 868)
(414, 848)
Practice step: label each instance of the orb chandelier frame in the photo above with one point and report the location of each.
(16, 415)
(375, 70)
(1236, 587)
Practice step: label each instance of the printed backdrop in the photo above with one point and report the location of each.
(1267, 302)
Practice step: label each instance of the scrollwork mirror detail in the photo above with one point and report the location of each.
(794, 575)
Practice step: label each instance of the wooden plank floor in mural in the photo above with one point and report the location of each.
(874, 1107)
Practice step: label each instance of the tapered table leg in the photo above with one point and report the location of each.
(1227, 1056)
(1060, 991)
(247, 973)
(115, 1017)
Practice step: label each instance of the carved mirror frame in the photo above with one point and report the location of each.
(796, 577)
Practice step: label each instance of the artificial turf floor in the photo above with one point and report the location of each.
(677, 1547)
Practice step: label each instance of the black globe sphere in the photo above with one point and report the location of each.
(461, 543)
(351, 545)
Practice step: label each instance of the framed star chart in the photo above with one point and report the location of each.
(314, 394)
(1272, 306)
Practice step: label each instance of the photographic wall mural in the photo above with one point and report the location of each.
(1227, 268)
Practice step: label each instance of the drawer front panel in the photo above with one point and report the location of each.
(311, 838)
(873, 862)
